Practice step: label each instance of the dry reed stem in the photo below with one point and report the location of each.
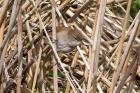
(96, 49)
(55, 74)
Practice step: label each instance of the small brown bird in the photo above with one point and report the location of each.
(67, 38)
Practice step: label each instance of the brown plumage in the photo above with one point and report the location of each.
(67, 38)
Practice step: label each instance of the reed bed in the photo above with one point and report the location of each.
(29, 62)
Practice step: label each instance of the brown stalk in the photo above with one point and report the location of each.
(132, 68)
(4, 10)
(55, 76)
(116, 72)
(91, 54)
(2, 28)
(14, 14)
(64, 4)
(37, 63)
(20, 46)
(80, 10)
(6, 39)
(95, 48)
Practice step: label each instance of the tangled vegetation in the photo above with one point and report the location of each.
(103, 55)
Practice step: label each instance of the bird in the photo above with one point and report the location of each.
(67, 39)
